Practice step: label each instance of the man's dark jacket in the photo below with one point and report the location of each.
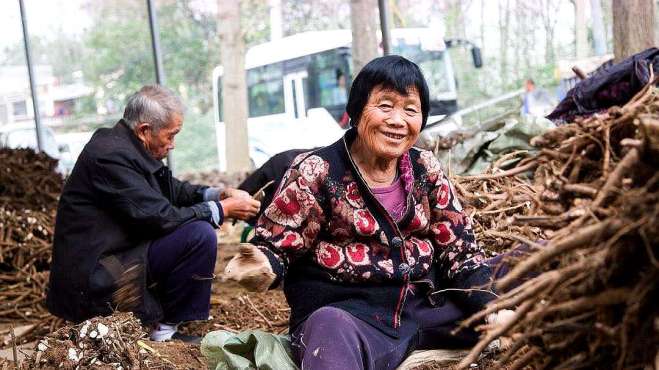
(116, 201)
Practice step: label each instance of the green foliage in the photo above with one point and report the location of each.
(119, 56)
(196, 147)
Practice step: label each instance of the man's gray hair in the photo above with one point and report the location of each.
(152, 104)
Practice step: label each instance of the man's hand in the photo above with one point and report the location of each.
(240, 208)
(250, 268)
(234, 193)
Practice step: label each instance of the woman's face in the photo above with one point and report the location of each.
(390, 122)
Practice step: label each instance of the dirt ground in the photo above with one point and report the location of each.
(235, 309)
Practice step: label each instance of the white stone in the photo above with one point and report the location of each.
(42, 346)
(102, 330)
(83, 330)
(73, 355)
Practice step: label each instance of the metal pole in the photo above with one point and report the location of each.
(155, 45)
(383, 7)
(30, 73)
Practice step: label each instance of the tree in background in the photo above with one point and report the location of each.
(363, 20)
(234, 86)
(118, 56)
(312, 15)
(633, 26)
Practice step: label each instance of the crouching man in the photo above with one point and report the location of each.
(128, 235)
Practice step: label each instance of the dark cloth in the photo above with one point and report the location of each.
(272, 170)
(331, 338)
(180, 274)
(610, 85)
(115, 202)
(333, 244)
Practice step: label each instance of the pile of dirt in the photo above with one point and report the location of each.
(29, 190)
(215, 178)
(594, 198)
(237, 310)
(114, 342)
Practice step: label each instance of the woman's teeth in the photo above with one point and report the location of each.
(395, 136)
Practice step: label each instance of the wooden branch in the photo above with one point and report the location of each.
(510, 172)
(495, 333)
(589, 234)
(612, 182)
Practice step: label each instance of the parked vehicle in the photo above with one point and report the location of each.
(297, 87)
(24, 135)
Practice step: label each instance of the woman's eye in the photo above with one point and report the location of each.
(385, 106)
(411, 110)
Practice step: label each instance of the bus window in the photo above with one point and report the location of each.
(434, 70)
(332, 84)
(331, 79)
(265, 90)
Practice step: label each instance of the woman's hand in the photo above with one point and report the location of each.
(499, 318)
(242, 208)
(250, 268)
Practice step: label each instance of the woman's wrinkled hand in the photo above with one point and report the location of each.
(250, 268)
(501, 317)
(242, 208)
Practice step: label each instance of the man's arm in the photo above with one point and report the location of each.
(126, 192)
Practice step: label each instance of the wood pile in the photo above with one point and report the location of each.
(594, 200)
(29, 190)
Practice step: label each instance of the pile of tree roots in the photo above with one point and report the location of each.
(586, 205)
(29, 190)
(113, 342)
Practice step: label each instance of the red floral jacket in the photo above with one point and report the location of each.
(334, 244)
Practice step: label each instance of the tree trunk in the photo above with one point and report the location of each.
(599, 35)
(234, 86)
(633, 27)
(581, 36)
(363, 15)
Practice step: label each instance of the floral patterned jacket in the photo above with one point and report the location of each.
(333, 243)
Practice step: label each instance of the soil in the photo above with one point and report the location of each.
(235, 309)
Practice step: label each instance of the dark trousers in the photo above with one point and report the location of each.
(331, 338)
(181, 267)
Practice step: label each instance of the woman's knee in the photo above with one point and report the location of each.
(330, 315)
(331, 322)
(329, 337)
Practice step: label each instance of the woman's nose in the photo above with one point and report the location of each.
(395, 117)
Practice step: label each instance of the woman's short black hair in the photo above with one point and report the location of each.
(389, 72)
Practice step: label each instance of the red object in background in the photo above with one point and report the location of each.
(345, 120)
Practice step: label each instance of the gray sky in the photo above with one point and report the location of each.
(44, 17)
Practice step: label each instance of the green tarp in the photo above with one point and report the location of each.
(252, 349)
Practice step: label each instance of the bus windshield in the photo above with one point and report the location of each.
(432, 64)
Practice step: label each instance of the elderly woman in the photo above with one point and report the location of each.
(363, 231)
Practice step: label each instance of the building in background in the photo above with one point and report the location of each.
(55, 100)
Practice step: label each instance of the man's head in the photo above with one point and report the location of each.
(155, 114)
(529, 85)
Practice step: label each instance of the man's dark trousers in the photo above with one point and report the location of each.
(180, 271)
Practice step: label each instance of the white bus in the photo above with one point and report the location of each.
(298, 86)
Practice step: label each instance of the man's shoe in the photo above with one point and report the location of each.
(189, 339)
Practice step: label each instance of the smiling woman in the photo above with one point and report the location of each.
(361, 232)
